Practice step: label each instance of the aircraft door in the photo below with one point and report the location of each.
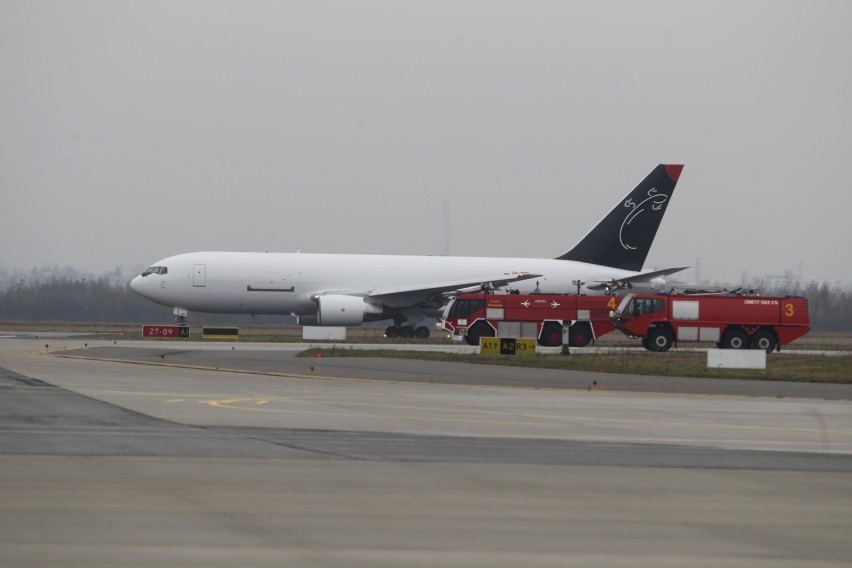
(199, 275)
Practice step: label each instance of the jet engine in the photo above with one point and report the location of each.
(346, 310)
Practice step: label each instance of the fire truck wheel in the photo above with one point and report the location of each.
(421, 332)
(763, 339)
(735, 339)
(551, 335)
(391, 331)
(477, 330)
(645, 344)
(660, 339)
(579, 335)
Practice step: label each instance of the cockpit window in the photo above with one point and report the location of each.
(156, 270)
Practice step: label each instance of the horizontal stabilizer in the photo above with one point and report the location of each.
(638, 278)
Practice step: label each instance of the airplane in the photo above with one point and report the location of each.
(351, 289)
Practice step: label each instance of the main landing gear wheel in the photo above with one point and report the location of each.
(407, 331)
(421, 332)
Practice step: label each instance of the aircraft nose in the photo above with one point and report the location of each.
(136, 285)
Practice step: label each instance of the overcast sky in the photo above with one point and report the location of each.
(131, 131)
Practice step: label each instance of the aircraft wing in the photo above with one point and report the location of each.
(628, 281)
(432, 289)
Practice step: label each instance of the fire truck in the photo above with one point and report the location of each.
(732, 321)
(543, 316)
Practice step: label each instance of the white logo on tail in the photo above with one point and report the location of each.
(655, 201)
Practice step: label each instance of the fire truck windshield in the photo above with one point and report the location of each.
(639, 306)
(464, 308)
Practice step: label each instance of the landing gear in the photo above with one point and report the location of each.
(401, 328)
(407, 331)
(180, 315)
(398, 329)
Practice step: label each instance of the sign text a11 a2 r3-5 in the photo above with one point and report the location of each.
(506, 346)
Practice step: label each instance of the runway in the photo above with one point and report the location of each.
(387, 463)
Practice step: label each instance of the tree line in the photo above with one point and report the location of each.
(830, 308)
(65, 295)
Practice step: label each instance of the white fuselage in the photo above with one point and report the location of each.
(288, 283)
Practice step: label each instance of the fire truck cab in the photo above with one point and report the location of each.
(731, 321)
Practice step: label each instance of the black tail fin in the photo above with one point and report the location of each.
(623, 238)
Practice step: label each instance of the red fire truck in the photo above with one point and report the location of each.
(731, 321)
(543, 316)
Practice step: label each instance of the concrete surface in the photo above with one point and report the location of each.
(117, 464)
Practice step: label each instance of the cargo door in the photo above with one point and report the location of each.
(269, 279)
(199, 275)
